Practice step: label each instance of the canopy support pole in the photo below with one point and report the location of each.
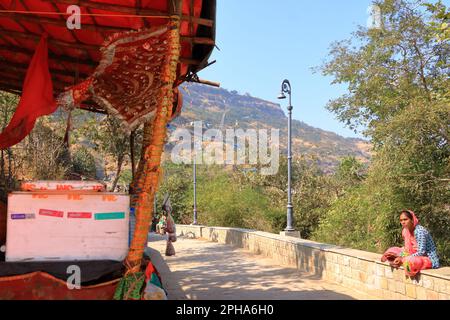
(146, 181)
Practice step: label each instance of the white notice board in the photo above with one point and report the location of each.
(58, 226)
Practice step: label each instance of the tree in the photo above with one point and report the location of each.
(83, 163)
(44, 153)
(115, 143)
(104, 135)
(8, 103)
(312, 193)
(398, 89)
(349, 174)
(441, 26)
(177, 183)
(399, 64)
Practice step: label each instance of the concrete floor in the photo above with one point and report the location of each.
(203, 270)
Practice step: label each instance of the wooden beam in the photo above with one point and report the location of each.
(200, 21)
(102, 34)
(198, 40)
(35, 37)
(41, 28)
(17, 72)
(59, 22)
(79, 46)
(52, 56)
(91, 106)
(87, 105)
(112, 7)
(18, 78)
(13, 91)
(74, 36)
(131, 10)
(88, 63)
(190, 61)
(191, 23)
(191, 14)
(16, 83)
(201, 81)
(10, 86)
(174, 7)
(24, 67)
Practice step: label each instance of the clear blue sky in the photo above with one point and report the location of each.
(263, 42)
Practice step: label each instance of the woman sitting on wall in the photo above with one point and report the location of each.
(419, 251)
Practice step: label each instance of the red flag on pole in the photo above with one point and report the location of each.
(36, 100)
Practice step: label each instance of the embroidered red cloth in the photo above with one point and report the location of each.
(37, 98)
(127, 83)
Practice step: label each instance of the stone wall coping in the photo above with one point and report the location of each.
(443, 272)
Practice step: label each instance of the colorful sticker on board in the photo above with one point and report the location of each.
(22, 216)
(110, 216)
(79, 215)
(51, 213)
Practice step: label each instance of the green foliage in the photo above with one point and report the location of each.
(45, 154)
(399, 90)
(125, 178)
(312, 193)
(83, 163)
(401, 63)
(362, 219)
(441, 25)
(8, 103)
(178, 184)
(227, 203)
(416, 160)
(107, 140)
(8, 157)
(221, 199)
(350, 171)
(246, 199)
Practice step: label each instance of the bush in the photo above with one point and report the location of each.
(46, 157)
(221, 200)
(83, 163)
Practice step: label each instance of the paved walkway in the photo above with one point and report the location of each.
(210, 271)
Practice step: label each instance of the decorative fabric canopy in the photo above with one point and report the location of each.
(74, 55)
(128, 79)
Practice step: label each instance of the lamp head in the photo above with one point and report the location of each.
(285, 88)
(281, 96)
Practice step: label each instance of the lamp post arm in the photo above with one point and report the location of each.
(286, 88)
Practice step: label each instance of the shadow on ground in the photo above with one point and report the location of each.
(206, 270)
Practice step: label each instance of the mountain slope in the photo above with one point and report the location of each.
(222, 109)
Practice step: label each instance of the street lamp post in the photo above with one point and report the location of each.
(286, 88)
(195, 190)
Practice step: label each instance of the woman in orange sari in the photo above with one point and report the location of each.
(419, 251)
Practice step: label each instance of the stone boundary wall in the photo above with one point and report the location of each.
(356, 269)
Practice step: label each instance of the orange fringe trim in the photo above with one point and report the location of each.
(147, 181)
